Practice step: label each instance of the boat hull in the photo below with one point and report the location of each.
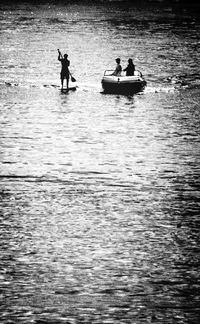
(122, 85)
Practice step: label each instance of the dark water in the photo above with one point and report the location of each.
(99, 194)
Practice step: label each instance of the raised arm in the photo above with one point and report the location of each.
(59, 55)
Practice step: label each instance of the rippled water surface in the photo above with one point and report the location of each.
(99, 194)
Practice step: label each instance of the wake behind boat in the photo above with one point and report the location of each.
(122, 84)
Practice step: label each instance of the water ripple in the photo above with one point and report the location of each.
(99, 194)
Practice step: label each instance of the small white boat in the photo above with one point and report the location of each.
(122, 84)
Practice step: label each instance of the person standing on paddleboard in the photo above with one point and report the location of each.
(64, 74)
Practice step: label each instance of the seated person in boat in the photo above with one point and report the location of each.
(118, 68)
(130, 69)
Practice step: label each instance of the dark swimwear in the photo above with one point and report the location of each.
(64, 71)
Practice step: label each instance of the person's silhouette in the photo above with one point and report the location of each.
(64, 74)
(130, 69)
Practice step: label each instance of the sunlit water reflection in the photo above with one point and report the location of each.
(99, 193)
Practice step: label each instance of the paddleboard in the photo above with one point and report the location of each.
(69, 89)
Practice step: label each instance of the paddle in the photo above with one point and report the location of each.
(72, 78)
